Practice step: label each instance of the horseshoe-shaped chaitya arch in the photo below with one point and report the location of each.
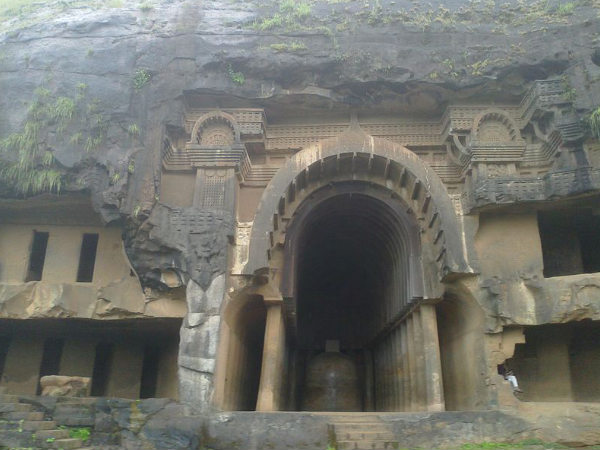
(355, 155)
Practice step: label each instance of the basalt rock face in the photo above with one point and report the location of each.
(138, 63)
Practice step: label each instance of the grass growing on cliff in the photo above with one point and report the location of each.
(82, 433)
(593, 122)
(141, 78)
(294, 46)
(14, 7)
(27, 162)
(236, 77)
(290, 16)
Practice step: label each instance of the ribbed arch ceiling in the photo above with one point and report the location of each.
(354, 155)
(352, 270)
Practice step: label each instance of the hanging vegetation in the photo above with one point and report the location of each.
(27, 162)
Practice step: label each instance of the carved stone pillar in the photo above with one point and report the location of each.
(412, 364)
(271, 377)
(419, 339)
(405, 367)
(433, 366)
(369, 381)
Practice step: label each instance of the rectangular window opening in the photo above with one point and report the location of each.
(87, 257)
(570, 241)
(101, 371)
(50, 359)
(150, 368)
(37, 256)
(4, 346)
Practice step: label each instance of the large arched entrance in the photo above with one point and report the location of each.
(351, 253)
(349, 248)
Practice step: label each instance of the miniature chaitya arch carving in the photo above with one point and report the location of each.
(494, 126)
(215, 129)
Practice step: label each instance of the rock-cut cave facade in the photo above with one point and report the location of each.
(329, 261)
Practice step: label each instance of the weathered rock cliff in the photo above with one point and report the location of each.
(128, 67)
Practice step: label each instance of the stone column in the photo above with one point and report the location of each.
(433, 365)
(369, 381)
(22, 365)
(421, 394)
(405, 367)
(389, 375)
(221, 384)
(412, 363)
(271, 374)
(553, 381)
(401, 369)
(77, 358)
(126, 370)
(397, 380)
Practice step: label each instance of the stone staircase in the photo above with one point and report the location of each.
(363, 432)
(21, 426)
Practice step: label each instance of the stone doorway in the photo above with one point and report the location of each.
(352, 269)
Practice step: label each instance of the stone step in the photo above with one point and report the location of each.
(74, 415)
(56, 434)
(74, 401)
(352, 428)
(73, 406)
(14, 407)
(353, 419)
(67, 444)
(362, 435)
(360, 424)
(367, 445)
(9, 398)
(35, 425)
(23, 415)
(6, 425)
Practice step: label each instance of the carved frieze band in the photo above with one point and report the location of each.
(465, 134)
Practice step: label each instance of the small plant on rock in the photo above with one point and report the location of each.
(82, 433)
(146, 7)
(565, 9)
(236, 77)
(141, 78)
(133, 130)
(593, 122)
